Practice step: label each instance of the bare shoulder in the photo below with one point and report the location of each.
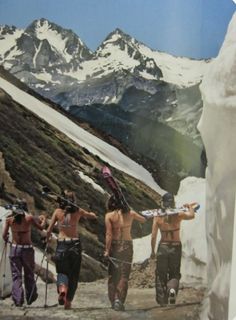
(157, 220)
(80, 211)
(9, 220)
(29, 217)
(58, 212)
(108, 215)
(133, 213)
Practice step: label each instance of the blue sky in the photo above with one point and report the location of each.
(192, 28)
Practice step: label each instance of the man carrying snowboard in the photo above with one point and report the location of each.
(169, 249)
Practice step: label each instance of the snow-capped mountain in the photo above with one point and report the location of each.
(41, 45)
(56, 63)
(40, 54)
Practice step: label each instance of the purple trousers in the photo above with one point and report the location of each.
(22, 259)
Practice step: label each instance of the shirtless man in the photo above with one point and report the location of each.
(68, 251)
(22, 252)
(119, 250)
(169, 250)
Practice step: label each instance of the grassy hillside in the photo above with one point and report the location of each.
(36, 154)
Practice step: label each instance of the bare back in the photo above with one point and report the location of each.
(119, 224)
(169, 227)
(67, 224)
(21, 233)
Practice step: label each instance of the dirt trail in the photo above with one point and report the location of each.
(91, 303)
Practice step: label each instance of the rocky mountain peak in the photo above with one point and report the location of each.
(44, 44)
(43, 28)
(5, 29)
(42, 25)
(118, 37)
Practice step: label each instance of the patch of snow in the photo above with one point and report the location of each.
(46, 77)
(9, 41)
(181, 71)
(44, 31)
(90, 181)
(5, 273)
(147, 75)
(37, 50)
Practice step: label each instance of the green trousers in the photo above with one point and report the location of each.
(167, 270)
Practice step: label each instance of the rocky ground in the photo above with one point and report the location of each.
(91, 302)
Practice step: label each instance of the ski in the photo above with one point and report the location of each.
(169, 212)
(59, 198)
(114, 187)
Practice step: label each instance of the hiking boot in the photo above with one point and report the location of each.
(163, 303)
(162, 300)
(18, 304)
(67, 305)
(172, 296)
(62, 289)
(118, 305)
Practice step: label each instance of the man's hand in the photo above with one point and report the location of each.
(6, 237)
(48, 236)
(94, 216)
(42, 220)
(106, 254)
(152, 256)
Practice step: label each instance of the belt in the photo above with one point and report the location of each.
(24, 246)
(68, 240)
(171, 243)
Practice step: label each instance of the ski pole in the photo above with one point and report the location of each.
(4, 256)
(112, 259)
(3, 251)
(113, 262)
(46, 283)
(36, 279)
(4, 271)
(47, 191)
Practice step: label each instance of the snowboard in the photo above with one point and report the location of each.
(169, 212)
(114, 187)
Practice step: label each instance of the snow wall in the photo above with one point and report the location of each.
(5, 273)
(218, 130)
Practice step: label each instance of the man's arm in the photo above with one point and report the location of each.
(138, 217)
(39, 222)
(51, 225)
(87, 214)
(108, 235)
(5, 233)
(154, 236)
(189, 215)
